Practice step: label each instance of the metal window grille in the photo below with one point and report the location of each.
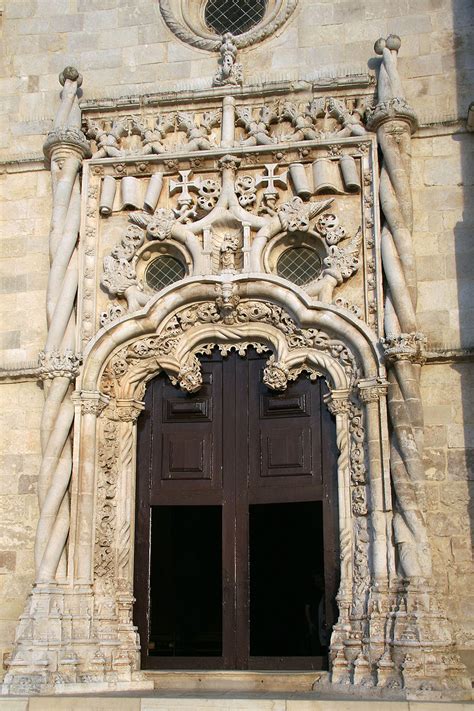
(299, 265)
(236, 16)
(163, 271)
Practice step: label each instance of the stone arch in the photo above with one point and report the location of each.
(167, 335)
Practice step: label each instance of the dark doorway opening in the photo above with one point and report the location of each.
(186, 581)
(287, 606)
(236, 522)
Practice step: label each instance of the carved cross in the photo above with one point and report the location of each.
(272, 180)
(184, 186)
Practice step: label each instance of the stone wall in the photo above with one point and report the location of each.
(123, 47)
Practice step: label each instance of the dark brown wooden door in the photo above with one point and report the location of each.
(235, 552)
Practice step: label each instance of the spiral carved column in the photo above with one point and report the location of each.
(422, 646)
(65, 148)
(394, 121)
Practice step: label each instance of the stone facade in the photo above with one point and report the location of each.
(127, 50)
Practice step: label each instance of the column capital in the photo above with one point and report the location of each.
(337, 401)
(91, 402)
(372, 389)
(128, 409)
(404, 346)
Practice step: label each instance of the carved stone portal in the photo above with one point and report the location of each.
(186, 217)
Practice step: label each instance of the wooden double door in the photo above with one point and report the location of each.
(236, 562)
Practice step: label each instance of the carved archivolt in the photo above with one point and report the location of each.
(182, 336)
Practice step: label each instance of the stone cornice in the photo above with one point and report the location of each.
(356, 80)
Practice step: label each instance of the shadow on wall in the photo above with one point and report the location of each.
(460, 467)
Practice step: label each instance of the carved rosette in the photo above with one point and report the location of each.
(275, 375)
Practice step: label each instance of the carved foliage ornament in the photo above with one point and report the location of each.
(58, 364)
(187, 373)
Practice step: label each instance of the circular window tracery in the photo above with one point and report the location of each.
(201, 23)
(300, 265)
(163, 271)
(236, 16)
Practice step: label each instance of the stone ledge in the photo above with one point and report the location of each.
(223, 702)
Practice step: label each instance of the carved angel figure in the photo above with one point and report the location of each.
(302, 122)
(107, 138)
(229, 72)
(198, 136)
(340, 264)
(153, 137)
(257, 129)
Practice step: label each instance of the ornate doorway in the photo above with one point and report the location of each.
(235, 558)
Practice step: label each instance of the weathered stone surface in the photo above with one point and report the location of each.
(7, 561)
(127, 49)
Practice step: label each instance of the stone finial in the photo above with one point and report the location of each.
(66, 137)
(393, 43)
(391, 102)
(72, 74)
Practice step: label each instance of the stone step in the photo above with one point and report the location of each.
(228, 681)
(215, 702)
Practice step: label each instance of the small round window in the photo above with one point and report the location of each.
(236, 16)
(299, 265)
(163, 271)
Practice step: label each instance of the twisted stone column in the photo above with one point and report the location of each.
(394, 121)
(65, 148)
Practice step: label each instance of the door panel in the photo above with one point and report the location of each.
(236, 448)
(286, 432)
(187, 437)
